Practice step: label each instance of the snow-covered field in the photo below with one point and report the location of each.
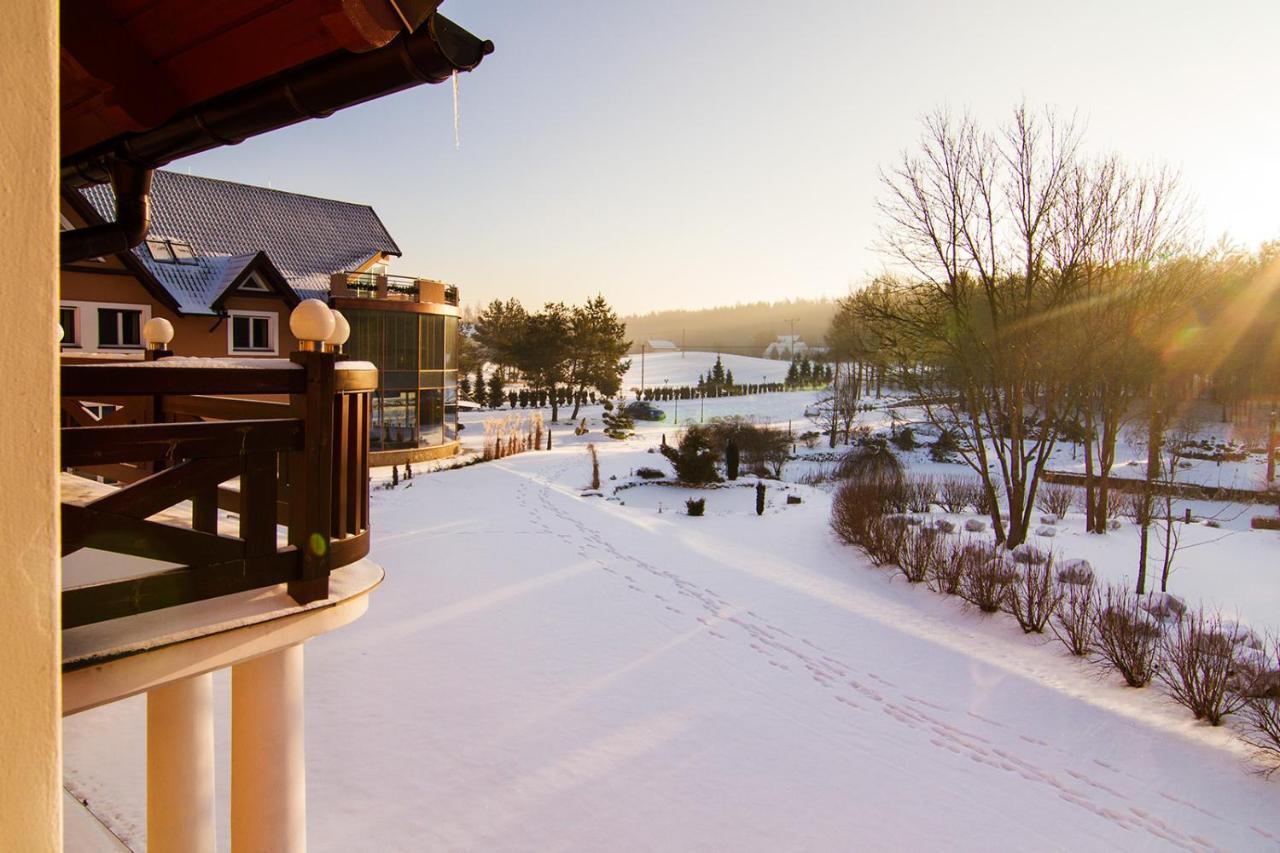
(685, 368)
(544, 670)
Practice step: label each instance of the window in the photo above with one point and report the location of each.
(252, 332)
(171, 251)
(160, 250)
(69, 319)
(255, 284)
(182, 252)
(119, 327)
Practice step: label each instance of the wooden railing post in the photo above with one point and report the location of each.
(311, 486)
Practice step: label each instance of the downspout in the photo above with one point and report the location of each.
(131, 184)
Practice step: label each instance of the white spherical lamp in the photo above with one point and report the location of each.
(311, 323)
(341, 331)
(157, 332)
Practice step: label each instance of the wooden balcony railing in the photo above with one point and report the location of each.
(295, 437)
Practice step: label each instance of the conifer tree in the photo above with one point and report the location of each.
(496, 394)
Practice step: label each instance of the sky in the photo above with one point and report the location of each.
(705, 152)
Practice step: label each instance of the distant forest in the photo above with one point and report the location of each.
(742, 329)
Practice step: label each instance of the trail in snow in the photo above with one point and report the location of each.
(783, 650)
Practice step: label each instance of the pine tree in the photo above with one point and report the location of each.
(464, 386)
(479, 385)
(793, 373)
(496, 394)
(728, 378)
(618, 423)
(806, 371)
(717, 374)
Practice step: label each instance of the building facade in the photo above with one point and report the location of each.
(226, 262)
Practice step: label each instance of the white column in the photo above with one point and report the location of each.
(180, 810)
(268, 767)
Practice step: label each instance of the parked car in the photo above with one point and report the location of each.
(642, 411)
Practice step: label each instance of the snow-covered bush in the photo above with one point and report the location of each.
(1028, 555)
(1127, 637)
(1075, 572)
(649, 474)
(1198, 660)
(1055, 498)
(1033, 596)
(1163, 606)
(1073, 620)
(987, 576)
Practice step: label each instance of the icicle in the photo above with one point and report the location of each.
(457, 116)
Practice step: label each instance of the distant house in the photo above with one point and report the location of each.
(225, 263)
(659, 345)
(785, 347)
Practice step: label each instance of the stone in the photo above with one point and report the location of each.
(975, 525)
(1076, 571)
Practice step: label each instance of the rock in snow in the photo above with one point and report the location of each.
(975, 525)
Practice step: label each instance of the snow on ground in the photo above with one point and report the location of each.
(676, 368)
(547, 671)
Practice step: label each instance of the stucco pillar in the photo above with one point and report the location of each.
(180, 797)
(268, 768)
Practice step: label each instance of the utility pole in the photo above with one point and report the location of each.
(642, 346)
(793, 322)
(682, 343)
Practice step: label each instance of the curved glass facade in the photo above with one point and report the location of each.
(416, 356)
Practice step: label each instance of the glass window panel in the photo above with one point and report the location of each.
(108, 328)
(450, 343)
(432, 342)
(401, 341)
(239, 332)
(431, 418)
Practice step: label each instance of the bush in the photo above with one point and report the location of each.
(860, 501)
(695, 458)
(1055, 498)
(905, 439)
(987, 577)
(1197, 667)
(1260, 708)
(1034, 596)
(921, 493)
(649, 474)
(595, 466)
(1127, 637)
(955, 494)
(695, 506)
(763, 450)
(885, 538)
(981, 500)
(922, 549)
(1073, 620)
(947, 573)
(872, 461)
(944, 448)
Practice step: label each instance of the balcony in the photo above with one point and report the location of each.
(284, 447)
(215, 514)
(395, 288)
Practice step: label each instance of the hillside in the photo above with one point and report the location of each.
(745, 329)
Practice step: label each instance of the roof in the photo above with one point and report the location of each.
(304, 237)
(659, 343)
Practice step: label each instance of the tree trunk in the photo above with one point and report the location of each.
(1090, 487)
(555, 404)
(577, 401)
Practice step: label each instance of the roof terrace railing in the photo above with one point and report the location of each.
(295, 434)
(365, 285)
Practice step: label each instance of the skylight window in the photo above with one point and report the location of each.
(171, 251)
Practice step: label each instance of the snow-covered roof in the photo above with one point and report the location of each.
(306, 238)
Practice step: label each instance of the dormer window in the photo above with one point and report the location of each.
(171, 251)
